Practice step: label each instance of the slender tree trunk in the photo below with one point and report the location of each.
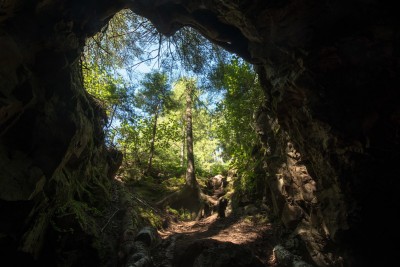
(183, 142)
(190, 175)
(153, 140)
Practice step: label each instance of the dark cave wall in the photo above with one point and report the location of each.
(336, 99)
(330, 125)
(53, 160)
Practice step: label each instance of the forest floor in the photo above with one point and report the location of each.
(237, 234)
(241, 240)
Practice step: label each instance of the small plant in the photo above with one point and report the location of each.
(184, 215)
(154, 219)
(172, 211)
(174, 183)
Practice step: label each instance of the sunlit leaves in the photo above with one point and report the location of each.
(154, 93)
(109, 90)
(121, 42)
(195, 52)
(242, 94)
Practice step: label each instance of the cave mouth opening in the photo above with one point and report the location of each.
(142, 78)
(135, 73)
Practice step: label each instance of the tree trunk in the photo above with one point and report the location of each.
(190, 175)
(183, 142)
(153, 139)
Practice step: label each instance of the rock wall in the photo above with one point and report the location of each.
(53, 161)
(330, 125)
(332, 108)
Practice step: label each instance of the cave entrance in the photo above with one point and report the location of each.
(181, 110)
(142, 79)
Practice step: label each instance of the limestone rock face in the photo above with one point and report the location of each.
(330, 124)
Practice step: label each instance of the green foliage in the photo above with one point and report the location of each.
(174, 183)
(242, 93)
(185, 215)
(219, 167)
(134, 136)
(111, 93)
(124, 39)
(102, 85)
(149, 188)
(153, 218)
(182, 214)
(258, 219)
(195, 52)
(154, 94)
(172, 211)
(153, 98)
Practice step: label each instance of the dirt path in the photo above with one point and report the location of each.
(233, 241)
(230, 241)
